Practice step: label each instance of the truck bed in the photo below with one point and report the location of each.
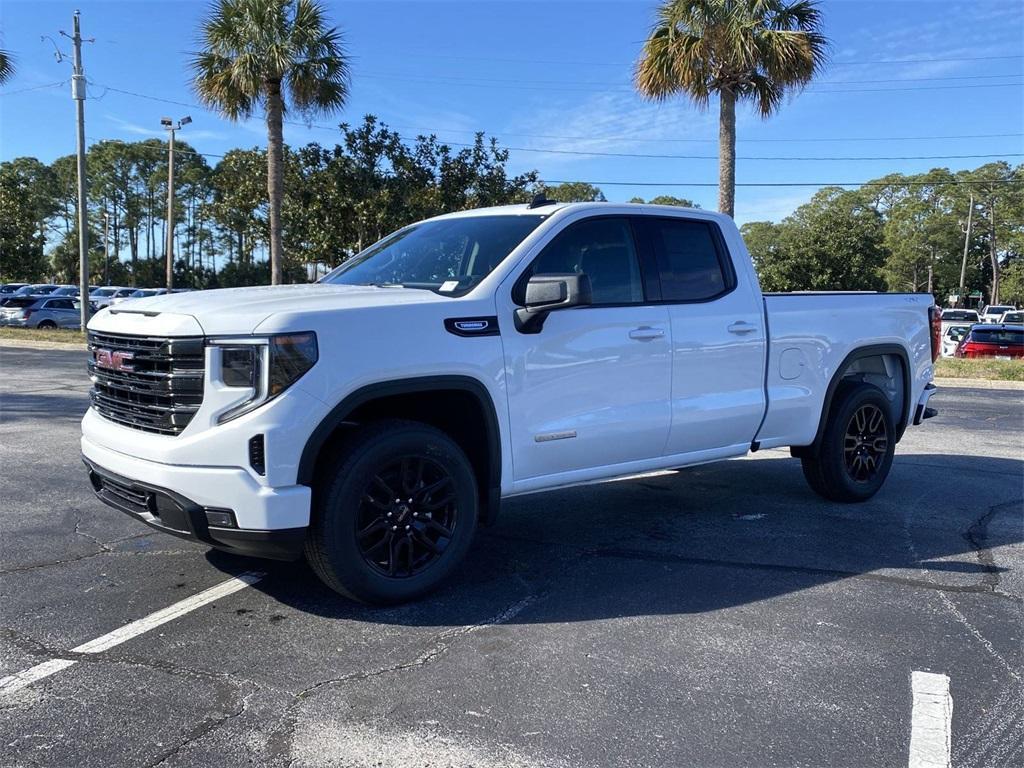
(813, 335)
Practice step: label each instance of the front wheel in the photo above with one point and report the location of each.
(394, 513)
(857, 448)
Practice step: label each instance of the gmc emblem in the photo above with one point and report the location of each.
(114, 360)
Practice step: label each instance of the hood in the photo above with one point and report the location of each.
(241, 310)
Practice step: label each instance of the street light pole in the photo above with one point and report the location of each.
(967, 245)
(171, 127)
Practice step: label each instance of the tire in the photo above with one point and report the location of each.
(857, 447)
(47, 324)
(364, 490)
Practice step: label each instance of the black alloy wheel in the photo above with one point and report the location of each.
(407, 517)
(866, 443)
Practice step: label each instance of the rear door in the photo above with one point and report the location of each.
(718, 336)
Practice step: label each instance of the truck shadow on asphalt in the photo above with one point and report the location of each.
(703, 539)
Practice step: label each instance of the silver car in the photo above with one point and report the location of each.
(41, 312)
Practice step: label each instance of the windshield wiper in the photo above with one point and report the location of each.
(384, 285)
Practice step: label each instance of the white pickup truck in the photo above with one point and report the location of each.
(372, 420)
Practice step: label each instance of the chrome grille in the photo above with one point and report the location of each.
(158, 390)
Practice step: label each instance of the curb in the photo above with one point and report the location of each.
(978, 383)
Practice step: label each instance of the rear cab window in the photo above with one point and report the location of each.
(690, 256)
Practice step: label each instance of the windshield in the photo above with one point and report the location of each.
(997, 336)
(101, 292)
(959, 314)
(449, 256)
(1013, 317)
(997, 310)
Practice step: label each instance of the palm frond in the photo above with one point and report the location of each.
(757, 49)
(6, 67)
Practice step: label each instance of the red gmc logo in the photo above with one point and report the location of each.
(114, 360)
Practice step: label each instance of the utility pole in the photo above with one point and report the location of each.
(967, 244)
(171, 127)
(78, 94)
(106, 252)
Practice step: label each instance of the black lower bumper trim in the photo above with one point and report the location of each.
(170, 512)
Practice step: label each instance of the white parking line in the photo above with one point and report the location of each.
(931, 721)
(17, 681)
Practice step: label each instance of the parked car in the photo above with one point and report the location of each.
(102, 297)
(992, 313)
(121, 295)
(143, 293)
(1016, 317)
(960, 316)
(36, 289)
(483, 354)
(41, 312)
(951, 337)
(1003, 342)
(8, 289)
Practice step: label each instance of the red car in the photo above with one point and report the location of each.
(1003, 342)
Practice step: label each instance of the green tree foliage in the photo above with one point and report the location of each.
(739, 50)
(681, 202)
(27, 200)
(574, 192)
(274, 54)
(835, 242)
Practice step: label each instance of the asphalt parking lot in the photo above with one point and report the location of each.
(718, 616)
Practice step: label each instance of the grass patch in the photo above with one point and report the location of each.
(967, 368)
(65, 335)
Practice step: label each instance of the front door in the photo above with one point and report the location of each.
(592, 388)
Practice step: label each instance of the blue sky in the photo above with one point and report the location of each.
(556, 76)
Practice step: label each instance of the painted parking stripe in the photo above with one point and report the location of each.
(931, 721)
(16, 682)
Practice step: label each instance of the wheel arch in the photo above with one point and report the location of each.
(431, 399)
(850, 364)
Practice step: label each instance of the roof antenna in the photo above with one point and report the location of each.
(540, 200)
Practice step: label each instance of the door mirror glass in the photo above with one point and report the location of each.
(546, 293)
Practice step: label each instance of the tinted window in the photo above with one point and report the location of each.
(445, 255)
(688, 260)
(1013, 317)
(997, 336)
(601, 248)
(959, 314)
(20, 302)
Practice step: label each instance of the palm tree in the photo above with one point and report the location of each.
(738, 49)
(6, 67)
(274, 54)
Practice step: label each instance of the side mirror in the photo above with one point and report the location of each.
(547, 293)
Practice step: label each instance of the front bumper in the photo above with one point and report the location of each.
(170, 512)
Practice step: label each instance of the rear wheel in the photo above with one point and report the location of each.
(47, 324)
(394, 513)
(857, 447)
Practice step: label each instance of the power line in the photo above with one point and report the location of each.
(628, 86)
(739, 157)
(600, 137)
(848, 63)
(598, 153)
(34, 88)
(784, 183)
(518, 86)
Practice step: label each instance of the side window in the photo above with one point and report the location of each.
(688, 260)
(603, 249)
(59, 304)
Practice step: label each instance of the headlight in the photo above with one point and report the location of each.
(267, 366)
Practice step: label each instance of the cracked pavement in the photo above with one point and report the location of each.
(722, 615)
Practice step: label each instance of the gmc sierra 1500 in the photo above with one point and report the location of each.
(373, 419)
